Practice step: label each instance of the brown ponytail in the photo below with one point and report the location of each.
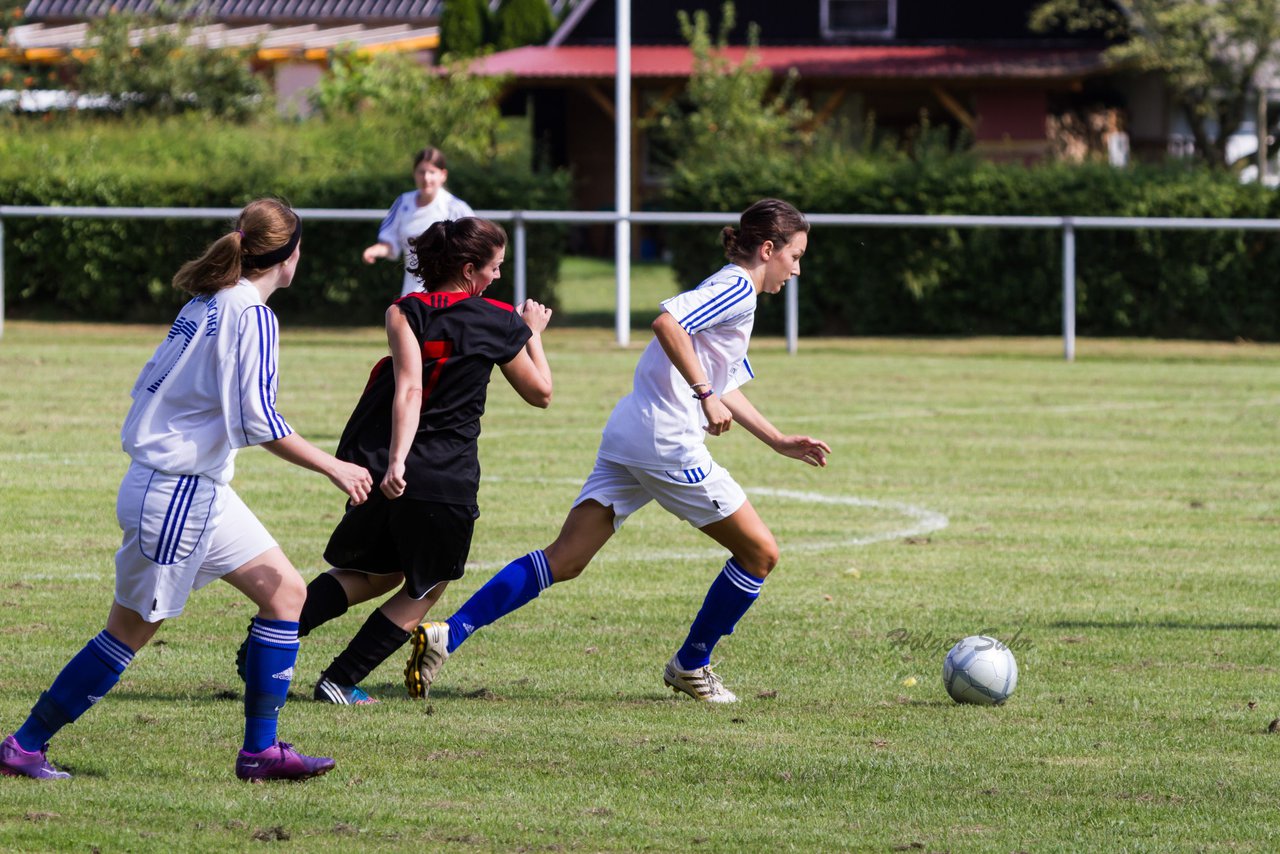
(445, 248)
(262, 226)
(768, 219)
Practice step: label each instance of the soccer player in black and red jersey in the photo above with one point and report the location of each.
(415, 429)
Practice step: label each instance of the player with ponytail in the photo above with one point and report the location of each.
(209, 390)
(415, 427)
(266, 234)
(688, 384)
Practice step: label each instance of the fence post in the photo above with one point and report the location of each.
(521, 288)
(1068, 289)
(622, 174)
(1, 277)
(793, 314)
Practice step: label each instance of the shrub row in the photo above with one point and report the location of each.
(1196, 284)
(121, 269)
(1186, 284)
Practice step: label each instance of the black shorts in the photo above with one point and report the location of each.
(426, 540)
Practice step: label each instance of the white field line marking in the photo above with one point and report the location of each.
(959, 411)
(923, 521)
(67, 576)
(1053, 409)
(75, 457)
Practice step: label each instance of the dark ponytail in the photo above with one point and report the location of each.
(446, 247)
(768, 219)
(264, 226)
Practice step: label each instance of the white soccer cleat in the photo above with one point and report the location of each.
(429, 648)
(700, 684)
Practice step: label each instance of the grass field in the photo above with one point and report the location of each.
(588, 291)
(1117, 519)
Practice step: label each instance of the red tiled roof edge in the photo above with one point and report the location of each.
(892, 61)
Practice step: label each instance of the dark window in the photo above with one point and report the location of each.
(859, 17)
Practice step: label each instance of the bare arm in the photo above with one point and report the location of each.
(352, 479)
(529, 373)
(406, 406)
(376, 251)
(804, 448)
(678, 346)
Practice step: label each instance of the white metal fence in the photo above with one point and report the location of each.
(519, 220)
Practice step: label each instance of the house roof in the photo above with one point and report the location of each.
(904, 62)
(306, 30)
(40, 43)
(310, 11)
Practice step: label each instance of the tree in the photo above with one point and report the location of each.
(1212, 54)
(464, 27)
(730, 110)
(522, 22)
(455, 110)
(149, 68)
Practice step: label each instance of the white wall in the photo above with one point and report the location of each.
(292, 81)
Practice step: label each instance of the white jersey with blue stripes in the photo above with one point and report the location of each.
(660, 425)
(407, 220)
(209, 389)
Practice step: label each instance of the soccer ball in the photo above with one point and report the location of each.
(980, 669)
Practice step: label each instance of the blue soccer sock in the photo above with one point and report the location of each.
(273, 650)
(84, 681)
(731, 594)
(516, 584)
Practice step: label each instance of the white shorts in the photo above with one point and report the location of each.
(699, 497)
(180, 533)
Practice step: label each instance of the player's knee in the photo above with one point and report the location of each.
(566, 560)
(289, 596)
(773, 558)
(767, 561)
(565, 564)
(567, 570)
(760, 559)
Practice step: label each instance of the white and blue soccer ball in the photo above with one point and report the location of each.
(981, 670)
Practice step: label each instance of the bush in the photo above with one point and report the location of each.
(737, 139)
(522, 22)
(464, 27)
(121, 269)
(143, 68)
(1192, 284)
(392, 93)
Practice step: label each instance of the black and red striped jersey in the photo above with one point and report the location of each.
(460, 338)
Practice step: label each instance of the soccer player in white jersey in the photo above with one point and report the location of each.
(209, 389)
(414, 212)
(687, 385)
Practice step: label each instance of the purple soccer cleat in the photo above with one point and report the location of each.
(280, 762)
(16, 762)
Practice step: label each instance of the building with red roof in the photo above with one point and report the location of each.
(973, 67)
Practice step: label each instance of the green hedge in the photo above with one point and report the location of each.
(1197, 284)
(870, 281)
(121, 269)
